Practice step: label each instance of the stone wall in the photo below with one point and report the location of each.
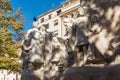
(93, 73)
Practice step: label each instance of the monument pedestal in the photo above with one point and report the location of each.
(92, 73)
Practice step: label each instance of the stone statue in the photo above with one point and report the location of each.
(78, 35)
(45, 56)
(42, 52)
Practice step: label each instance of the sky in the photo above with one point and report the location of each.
(31, 8)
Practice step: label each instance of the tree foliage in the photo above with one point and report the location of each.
(10, 28)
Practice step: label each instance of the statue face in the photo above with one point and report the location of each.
(35, 24)
(81, 11)
(94, 18)
(68, 22)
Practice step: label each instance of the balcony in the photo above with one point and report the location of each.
(70, 5)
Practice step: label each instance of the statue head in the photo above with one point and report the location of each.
(35, 23)
(82, 11)
(68, 23)
(94, 18)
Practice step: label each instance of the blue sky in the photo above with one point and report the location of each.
(31, 8)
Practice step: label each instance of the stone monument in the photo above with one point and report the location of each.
(90, 50)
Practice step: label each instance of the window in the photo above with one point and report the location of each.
(66, 16)
(42, 20)
(43, 29)
(72, 15)
(39, 28)
(47, 26)
(56, 22)
(50, 16)
(56, 32)
(58, 12)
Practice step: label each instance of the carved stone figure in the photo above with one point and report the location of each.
(78, 35)
(45, 56)
(42, 52)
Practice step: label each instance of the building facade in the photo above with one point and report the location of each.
(9, 75)
(52, 19)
